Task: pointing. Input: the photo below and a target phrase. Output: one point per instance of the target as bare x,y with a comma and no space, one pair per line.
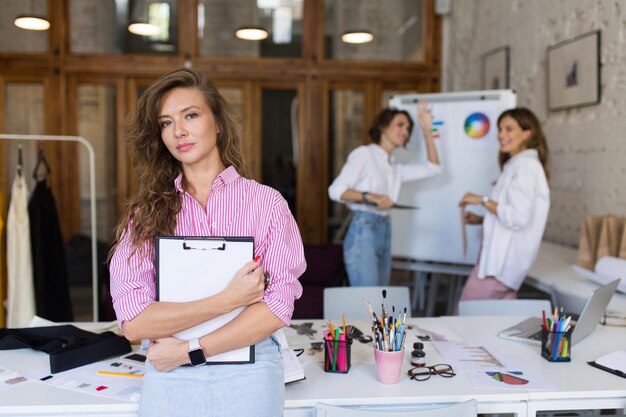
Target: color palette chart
477,125
490,367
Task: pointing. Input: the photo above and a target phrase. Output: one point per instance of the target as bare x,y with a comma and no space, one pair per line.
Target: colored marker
119,374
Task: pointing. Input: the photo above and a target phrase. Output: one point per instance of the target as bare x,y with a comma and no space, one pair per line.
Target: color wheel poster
477,126
490,368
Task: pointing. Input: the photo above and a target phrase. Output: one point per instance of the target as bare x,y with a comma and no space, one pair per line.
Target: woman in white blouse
369,183
517,210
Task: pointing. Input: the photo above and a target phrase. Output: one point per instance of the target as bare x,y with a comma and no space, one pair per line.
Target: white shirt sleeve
413,172
516,213
350,174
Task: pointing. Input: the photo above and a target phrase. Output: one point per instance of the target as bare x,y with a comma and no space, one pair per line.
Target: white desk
552,273
578,384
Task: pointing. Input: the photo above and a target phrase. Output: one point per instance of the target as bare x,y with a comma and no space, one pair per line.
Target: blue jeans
367,249
255,390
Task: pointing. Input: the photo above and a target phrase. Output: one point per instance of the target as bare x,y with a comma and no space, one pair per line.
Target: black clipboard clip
204,244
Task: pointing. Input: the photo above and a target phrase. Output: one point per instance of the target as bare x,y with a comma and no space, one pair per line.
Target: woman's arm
382,201
133,291
255,323
425,121
475,199
162,319
351,173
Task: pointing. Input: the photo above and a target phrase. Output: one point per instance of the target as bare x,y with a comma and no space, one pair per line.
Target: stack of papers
293,368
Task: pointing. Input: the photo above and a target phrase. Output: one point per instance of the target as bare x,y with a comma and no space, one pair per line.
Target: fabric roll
20,291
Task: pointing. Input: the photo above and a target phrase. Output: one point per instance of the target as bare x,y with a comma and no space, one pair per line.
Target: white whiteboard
434,232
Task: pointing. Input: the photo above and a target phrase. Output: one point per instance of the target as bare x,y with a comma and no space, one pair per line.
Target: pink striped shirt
236,207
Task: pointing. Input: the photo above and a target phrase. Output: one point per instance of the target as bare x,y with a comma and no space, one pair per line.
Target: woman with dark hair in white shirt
369,183
517,210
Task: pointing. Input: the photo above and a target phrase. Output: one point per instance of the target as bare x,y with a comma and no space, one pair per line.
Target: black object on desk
68,346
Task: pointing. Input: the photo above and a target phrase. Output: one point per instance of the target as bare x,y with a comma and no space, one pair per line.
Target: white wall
587,145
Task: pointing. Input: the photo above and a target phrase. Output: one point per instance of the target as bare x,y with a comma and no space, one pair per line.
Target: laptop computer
529,330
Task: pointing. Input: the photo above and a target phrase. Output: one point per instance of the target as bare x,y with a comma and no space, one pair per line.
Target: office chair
466,409
349,300
324,269
504,307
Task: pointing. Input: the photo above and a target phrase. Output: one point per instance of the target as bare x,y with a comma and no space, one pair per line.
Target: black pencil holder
556,346
337,355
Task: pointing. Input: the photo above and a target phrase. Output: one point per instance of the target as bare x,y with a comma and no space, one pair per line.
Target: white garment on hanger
21,291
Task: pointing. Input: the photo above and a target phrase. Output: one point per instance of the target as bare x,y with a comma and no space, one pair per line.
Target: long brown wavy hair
152,208
528,121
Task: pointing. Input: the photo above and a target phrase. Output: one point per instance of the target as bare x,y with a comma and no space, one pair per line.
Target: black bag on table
68,346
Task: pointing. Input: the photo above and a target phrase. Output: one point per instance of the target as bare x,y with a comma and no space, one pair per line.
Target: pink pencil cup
388,365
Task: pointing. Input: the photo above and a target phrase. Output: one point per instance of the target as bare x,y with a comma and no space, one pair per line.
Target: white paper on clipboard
190,268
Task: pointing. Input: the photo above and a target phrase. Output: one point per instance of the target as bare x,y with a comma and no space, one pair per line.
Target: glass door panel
346,132
280,142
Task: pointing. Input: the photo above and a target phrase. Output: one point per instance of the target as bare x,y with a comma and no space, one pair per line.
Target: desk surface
553,270
575,381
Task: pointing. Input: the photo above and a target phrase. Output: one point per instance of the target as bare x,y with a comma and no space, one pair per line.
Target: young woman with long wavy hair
186,150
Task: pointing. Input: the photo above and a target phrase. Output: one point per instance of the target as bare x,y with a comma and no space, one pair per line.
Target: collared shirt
370,168
511,238
236,207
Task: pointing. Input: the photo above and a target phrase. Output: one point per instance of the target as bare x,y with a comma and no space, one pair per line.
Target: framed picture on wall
496,67
573,68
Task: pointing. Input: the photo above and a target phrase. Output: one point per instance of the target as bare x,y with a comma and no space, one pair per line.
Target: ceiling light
31,22
143,29
252,33
357,36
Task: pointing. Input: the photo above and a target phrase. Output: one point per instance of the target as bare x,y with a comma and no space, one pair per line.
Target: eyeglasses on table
423,373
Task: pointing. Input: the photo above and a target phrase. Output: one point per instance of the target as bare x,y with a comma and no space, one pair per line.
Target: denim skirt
251,390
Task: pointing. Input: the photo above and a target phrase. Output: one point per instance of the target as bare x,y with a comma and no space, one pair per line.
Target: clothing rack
92,192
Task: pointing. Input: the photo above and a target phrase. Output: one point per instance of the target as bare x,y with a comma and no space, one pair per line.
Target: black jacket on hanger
52,296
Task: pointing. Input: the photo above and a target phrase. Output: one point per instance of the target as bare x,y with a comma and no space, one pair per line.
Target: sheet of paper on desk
293,368
99,378
488,367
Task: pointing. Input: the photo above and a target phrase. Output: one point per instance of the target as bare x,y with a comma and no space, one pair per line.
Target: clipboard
189,268
614,363
607,369
395,206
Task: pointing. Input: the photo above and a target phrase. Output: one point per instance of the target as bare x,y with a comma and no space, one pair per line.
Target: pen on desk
336,349
119,374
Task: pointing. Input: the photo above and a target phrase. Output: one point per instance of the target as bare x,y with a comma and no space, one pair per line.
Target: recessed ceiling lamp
251,33
357,36
143,29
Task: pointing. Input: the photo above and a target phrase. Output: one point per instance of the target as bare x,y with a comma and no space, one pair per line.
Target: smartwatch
485,200
364,197
196,354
